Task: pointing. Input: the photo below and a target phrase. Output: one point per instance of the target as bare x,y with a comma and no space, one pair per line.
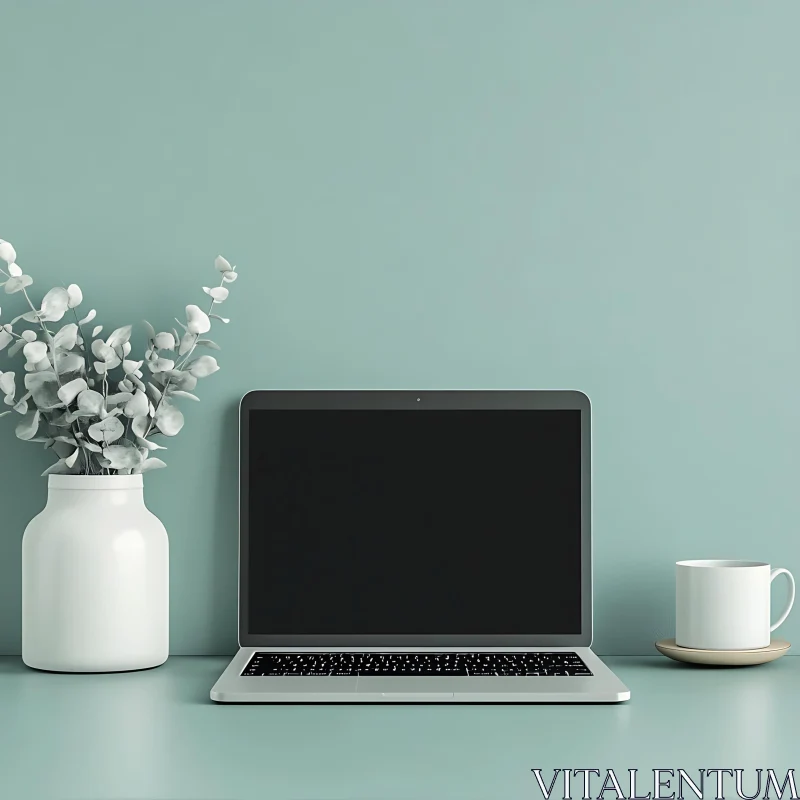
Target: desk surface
156,734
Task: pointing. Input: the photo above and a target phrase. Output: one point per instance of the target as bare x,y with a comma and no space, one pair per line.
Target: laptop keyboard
561,664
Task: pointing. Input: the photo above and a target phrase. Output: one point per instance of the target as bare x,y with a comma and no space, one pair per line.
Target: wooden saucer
723,658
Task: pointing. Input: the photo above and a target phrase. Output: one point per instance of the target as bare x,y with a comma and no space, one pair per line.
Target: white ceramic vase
95,578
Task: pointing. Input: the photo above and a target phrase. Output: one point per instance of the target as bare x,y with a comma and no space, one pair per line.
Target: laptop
415,547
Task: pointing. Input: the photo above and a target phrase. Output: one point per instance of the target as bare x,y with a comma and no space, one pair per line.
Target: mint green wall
602,196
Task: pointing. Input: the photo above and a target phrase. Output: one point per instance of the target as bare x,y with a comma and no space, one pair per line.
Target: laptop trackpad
406,688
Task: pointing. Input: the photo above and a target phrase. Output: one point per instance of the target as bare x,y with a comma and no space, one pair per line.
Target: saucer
723,658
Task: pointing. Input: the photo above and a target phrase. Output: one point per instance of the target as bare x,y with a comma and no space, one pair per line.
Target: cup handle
774,574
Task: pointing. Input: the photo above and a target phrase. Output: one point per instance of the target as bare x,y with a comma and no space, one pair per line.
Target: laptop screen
414,522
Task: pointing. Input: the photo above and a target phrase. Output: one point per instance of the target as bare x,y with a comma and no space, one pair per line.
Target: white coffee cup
725,605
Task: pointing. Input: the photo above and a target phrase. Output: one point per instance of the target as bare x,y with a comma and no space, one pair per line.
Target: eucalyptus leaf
88,318
230,277
69,362
44,387
39,366
107,430
184,395
151,331
136,382
169,419
7,252
28,425
7,383
161,365
97,330
70,460
118,399
69,391
131,366
203,366
140,425
125,386
16,347
54,305
165,341
218,293
221,319
94,448
222,264
5,413
197,320
154,392
137,405
122,457
119,336
74,294
28,316
35,352
5,339
67,337
38,378
59,468
90,401
103,351
29,336
187,343
14,285
21,406
150,464
109,358
146,443
208,343
185,381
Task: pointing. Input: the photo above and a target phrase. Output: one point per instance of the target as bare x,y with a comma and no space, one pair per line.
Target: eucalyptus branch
46,333
179,366
108,428
82,342
75,427
198,335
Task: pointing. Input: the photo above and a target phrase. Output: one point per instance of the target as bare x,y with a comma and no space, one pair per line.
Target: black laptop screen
414,522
